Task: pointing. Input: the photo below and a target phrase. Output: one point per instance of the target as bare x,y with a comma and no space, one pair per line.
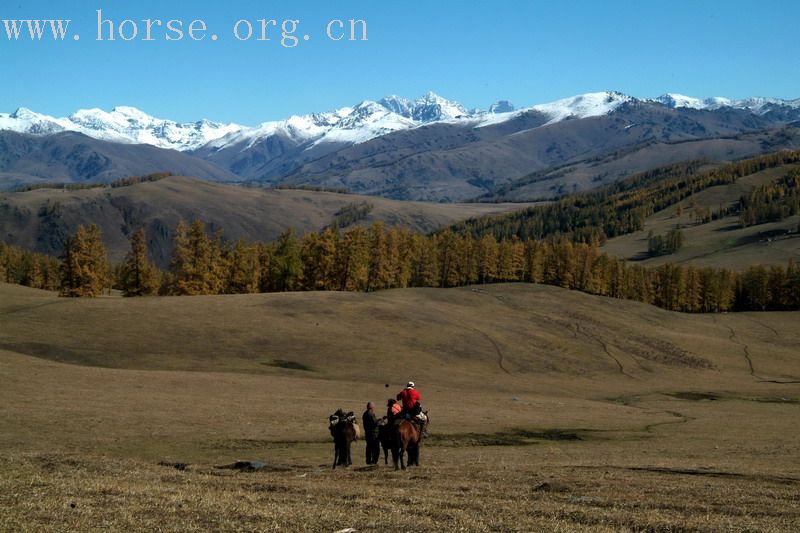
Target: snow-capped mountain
348,125
361,123
757,105
123,125
501,106
429,148
429,108
24,120
583,106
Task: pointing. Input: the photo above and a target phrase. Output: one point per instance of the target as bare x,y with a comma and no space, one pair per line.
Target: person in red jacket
410,398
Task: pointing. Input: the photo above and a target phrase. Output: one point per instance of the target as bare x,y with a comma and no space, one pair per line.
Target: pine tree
198,263
244,269
286,265
425,265
487,258
755,289
138,276
84,264
379,273
692,292
35,275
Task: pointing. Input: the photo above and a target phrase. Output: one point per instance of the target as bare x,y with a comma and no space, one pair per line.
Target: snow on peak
359,123
501,106
757,105
428,108
583,106
122,124
675,100
23,120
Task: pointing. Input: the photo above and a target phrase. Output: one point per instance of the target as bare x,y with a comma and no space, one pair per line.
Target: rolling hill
606,169
76,158
719,243
510,337
42,219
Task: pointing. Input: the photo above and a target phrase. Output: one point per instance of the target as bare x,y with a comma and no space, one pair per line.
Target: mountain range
429,148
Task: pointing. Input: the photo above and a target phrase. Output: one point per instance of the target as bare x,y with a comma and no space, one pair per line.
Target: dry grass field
721,243
550,411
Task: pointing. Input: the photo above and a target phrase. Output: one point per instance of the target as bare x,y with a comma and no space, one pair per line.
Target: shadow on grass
517,437
289,365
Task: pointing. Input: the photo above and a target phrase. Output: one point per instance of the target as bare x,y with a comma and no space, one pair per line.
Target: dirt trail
766,326
602,343
746,350
500,357
577,331
681,419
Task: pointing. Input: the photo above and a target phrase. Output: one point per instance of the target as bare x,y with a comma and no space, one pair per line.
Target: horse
344,430
386,437
408,439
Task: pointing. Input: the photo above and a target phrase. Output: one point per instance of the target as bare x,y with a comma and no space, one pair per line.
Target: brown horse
408,439
344,430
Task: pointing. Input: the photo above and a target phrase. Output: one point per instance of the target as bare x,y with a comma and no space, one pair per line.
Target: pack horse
345,430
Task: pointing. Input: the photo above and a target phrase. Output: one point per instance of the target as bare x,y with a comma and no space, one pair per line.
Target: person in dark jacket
370,420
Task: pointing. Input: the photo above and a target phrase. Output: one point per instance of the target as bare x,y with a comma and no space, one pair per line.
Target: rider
393,409
410,398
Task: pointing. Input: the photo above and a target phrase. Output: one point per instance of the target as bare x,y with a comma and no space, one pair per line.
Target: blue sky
526,51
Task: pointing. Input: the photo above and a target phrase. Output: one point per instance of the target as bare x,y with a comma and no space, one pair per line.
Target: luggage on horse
344,429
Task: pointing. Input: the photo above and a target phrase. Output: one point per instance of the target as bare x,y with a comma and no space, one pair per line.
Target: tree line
772,202
620,208
377,258
121,182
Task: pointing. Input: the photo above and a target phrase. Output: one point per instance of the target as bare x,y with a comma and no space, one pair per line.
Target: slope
609,168
455,161
42,219
719,243
76,158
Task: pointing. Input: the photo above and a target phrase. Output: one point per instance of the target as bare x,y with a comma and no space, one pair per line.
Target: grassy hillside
41,219
599,414
599,171
720,243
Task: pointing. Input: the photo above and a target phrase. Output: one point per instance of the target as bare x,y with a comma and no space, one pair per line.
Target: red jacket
409,398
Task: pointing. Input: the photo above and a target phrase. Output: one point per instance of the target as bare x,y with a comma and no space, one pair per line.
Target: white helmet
410,385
